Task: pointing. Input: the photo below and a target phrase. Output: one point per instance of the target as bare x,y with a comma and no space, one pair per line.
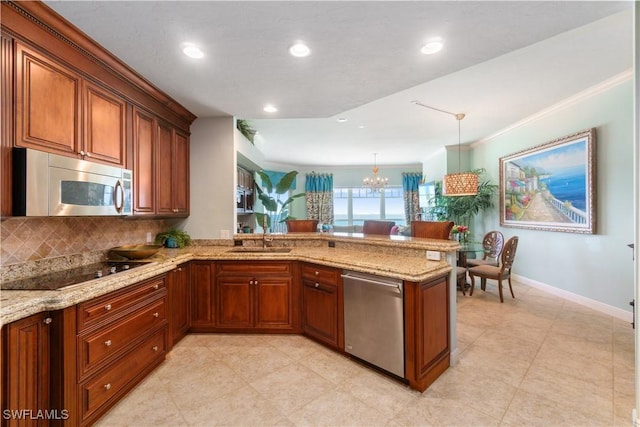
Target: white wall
213,176
599,266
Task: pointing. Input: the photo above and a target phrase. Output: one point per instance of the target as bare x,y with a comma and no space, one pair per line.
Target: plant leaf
266,181
268,202
286,182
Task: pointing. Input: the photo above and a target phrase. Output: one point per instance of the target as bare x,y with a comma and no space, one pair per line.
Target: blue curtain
319,196
410,183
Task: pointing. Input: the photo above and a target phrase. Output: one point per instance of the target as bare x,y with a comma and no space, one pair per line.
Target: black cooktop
72,276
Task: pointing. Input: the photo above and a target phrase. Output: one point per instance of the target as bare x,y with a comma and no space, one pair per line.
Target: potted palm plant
173,238
276,199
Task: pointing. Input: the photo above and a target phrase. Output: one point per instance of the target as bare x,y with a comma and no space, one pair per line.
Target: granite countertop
15,305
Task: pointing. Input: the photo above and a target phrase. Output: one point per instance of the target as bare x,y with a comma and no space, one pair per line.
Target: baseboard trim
616,312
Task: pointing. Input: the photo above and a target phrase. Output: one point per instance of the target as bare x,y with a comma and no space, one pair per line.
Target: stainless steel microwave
46,184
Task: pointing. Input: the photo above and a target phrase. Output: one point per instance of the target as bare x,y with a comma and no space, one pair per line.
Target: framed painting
551,186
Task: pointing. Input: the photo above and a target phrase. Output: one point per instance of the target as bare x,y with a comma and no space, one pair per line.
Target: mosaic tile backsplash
30,239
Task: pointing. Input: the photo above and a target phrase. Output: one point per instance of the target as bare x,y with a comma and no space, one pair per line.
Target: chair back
302,225
377,227
509,253
492,244
431,229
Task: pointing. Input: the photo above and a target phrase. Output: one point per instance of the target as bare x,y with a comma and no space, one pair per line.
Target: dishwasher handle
373,282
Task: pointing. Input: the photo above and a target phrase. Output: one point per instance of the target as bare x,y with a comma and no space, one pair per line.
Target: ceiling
502,62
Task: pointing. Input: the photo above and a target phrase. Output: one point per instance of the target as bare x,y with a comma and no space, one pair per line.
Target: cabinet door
202,293
47,104
144,162
234,302
104,126
7,108
27,359
273,307
165,174
181,172
179,303
320,311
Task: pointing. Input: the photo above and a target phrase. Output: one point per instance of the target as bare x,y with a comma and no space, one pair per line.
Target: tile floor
537,360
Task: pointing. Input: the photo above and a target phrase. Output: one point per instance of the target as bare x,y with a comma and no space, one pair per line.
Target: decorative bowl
136,251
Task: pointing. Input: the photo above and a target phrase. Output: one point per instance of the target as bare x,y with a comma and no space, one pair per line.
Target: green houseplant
173,238
275,199
244,126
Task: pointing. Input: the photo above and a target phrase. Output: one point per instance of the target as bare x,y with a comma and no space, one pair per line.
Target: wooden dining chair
500,273
377,227
302,225
492,244
431,229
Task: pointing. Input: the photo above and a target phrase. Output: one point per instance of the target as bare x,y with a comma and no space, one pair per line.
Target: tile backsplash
30,239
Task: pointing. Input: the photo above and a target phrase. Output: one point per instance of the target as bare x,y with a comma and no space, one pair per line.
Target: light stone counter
391,256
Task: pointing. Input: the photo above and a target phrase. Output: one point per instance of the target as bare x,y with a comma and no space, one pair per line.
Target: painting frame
551,186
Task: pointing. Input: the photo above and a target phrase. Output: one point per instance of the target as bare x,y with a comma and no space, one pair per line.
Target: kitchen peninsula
293,285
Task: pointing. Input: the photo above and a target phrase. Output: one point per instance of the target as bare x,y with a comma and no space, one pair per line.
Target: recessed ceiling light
361,127
192,51
432,46
270,108
341,120
299,50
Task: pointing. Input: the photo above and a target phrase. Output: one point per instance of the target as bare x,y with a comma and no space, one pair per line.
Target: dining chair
377,227
431,229
492,244
500,273
302,225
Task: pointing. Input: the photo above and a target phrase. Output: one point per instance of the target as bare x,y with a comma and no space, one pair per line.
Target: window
351,206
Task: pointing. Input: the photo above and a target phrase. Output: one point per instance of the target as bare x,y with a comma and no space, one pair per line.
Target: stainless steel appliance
374,320
46,184
73,276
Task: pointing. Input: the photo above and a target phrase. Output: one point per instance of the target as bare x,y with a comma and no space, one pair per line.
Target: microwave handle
115,199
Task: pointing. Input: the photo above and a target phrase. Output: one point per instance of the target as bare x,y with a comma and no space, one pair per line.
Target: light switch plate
433,255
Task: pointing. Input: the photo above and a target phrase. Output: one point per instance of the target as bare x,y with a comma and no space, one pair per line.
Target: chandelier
461,183
375,183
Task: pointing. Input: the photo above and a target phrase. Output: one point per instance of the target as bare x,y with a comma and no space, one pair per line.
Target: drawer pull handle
107,386
107,343
47,321
155,286
154,348
156,314
107,307
317,285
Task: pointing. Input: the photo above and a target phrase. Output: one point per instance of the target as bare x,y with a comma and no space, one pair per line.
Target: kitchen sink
258,250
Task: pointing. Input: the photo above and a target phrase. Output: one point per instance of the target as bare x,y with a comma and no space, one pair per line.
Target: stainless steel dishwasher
374,320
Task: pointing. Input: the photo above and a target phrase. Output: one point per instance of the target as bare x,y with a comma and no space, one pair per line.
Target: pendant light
461,183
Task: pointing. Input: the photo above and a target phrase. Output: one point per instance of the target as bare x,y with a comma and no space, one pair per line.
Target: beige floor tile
573,364
430,411
491,363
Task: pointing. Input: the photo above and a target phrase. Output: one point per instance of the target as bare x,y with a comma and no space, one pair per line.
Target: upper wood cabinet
48,103
173,171
49,118
144,161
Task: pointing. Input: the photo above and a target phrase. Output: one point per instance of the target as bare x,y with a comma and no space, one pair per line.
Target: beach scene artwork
550,186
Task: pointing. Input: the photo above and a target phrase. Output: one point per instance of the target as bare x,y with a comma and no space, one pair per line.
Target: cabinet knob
317,285
107,386
155,286
156,314
107,343
179,269
107,307
82,153
154,348
317,272
47,321
88,154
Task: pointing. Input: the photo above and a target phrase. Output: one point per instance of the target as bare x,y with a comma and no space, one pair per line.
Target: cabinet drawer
118,378
96,348
320,273
115,303
250,268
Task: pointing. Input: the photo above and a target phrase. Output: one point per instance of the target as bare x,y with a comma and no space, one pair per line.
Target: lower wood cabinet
321,304
427,333
202,301
26,376
178,291
257,296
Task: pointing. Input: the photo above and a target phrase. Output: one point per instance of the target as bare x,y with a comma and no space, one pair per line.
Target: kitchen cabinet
121,337
6,122
427,333
322,304
256,295
244,191
202,304
26,369
144,163
49,116
173,171
178,296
